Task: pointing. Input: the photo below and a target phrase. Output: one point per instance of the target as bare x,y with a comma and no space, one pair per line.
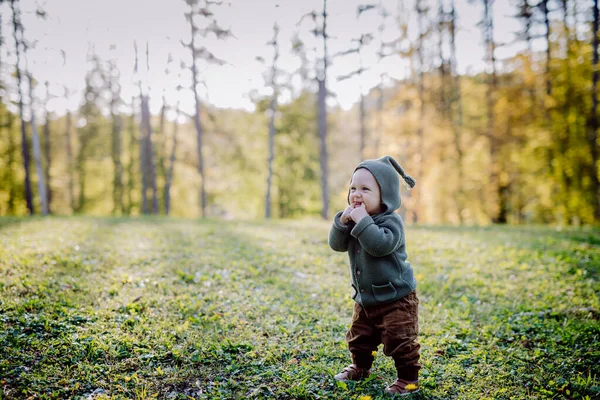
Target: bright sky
75,25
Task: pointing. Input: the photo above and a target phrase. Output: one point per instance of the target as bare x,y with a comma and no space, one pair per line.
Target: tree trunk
379,120
131,162
47,150
198,123
421,92
548,79
147,142
322,120
363,127
499,192
69,153
169,177
273,110
37,152
457,119
143,158
12,149
24,141
593,120
116,151
160,138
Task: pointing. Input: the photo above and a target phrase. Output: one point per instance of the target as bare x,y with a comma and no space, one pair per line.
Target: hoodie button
362,290
357,251
358,272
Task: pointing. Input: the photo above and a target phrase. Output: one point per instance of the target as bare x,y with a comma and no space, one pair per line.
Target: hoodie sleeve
339,234
378,240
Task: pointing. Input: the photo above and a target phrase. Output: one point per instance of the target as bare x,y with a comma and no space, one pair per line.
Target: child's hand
345,218
359,213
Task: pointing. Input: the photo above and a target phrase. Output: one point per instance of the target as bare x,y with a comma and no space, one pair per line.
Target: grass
179,309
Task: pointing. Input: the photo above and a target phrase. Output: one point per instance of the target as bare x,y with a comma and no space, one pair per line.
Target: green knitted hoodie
376,245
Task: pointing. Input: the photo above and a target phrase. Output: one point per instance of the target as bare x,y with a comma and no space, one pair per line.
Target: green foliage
297,168
167,308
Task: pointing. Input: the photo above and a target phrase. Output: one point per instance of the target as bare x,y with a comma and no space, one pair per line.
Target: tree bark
37,152
169,177
593,120
457,120
421,92
47,149
197,121
116,148
148,150
499,192
273,110
24,141
322,120
69,153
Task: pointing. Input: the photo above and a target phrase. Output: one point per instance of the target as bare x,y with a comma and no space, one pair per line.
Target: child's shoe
402,387
352,373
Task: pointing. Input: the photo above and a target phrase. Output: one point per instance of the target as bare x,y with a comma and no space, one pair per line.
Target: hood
386,171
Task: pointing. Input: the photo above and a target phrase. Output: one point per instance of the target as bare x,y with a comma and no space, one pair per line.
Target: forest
516,142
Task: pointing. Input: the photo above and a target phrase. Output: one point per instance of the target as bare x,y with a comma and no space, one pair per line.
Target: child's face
365,190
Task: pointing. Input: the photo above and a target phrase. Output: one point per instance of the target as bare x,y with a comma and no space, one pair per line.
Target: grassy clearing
179,309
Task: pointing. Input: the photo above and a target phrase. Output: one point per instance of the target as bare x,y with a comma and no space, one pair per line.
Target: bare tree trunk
160,138
273,110
24,142
69,152
363,127
198,123
444,101
322,121
545,11
379,120
116,148
144,156
131,162
169,177
593,121
37,151
47,149
12,149
420,136
499,192
148,150
144,159
457,120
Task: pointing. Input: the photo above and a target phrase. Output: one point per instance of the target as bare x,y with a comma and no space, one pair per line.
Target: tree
146,148
272,111
91,114
37,151
592,129
202,53
499,189
169,176
16,23
419,51
114,89
361,41
47,145
457,115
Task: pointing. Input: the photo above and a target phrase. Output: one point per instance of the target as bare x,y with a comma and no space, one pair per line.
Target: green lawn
181,309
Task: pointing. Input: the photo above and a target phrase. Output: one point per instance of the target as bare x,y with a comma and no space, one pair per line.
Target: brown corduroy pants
396,325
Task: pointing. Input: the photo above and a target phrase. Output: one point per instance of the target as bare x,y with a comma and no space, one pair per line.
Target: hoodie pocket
384,293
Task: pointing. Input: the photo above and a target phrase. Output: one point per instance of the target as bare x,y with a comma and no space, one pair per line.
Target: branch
364,7
351,74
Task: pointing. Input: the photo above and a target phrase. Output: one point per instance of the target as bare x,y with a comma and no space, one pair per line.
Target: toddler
386,303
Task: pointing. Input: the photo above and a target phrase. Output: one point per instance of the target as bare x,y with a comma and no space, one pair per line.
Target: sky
110,27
